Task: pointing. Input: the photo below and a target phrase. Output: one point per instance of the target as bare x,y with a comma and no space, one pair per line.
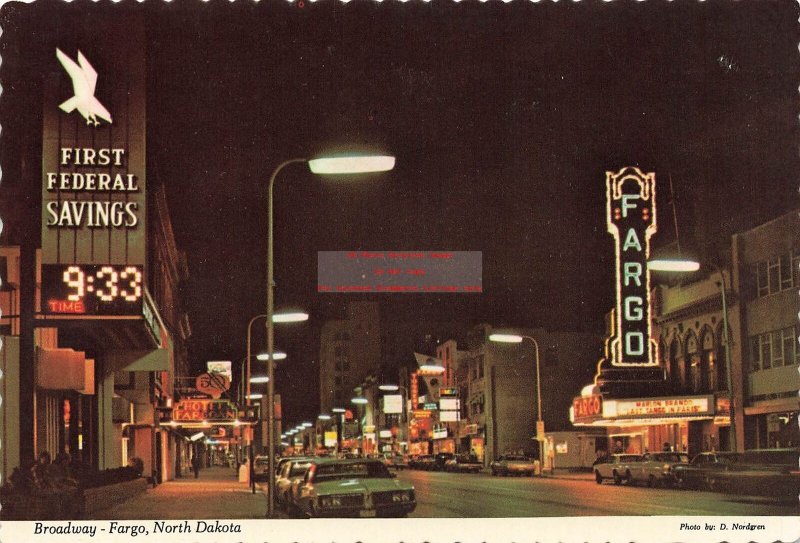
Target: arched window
721,361
676,375
692,364
708,367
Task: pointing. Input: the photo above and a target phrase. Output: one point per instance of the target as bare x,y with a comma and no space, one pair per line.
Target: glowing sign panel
587,407
648,407
631,219
91,289
204,410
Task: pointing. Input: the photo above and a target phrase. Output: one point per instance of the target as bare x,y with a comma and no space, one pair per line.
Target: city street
217,494
481,495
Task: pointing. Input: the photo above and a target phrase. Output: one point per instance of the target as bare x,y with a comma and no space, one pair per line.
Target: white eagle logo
84,79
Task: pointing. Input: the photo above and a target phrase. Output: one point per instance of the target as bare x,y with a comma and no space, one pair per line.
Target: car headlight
403,497
330,502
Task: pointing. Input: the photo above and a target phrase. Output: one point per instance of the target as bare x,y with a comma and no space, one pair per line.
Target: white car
614,467
655,468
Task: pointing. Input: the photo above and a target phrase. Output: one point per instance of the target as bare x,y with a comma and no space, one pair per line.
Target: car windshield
671,457
299,469
351,470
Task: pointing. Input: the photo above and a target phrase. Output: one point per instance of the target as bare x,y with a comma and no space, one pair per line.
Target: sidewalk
216,494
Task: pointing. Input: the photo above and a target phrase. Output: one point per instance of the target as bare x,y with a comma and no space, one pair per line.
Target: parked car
441,459
703,468
353,488
763,472
397,461
464,463
261,468
613,467
513,465
291,473
655,468
423,462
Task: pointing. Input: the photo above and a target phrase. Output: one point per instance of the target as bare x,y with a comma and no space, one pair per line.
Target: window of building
774,349
778,274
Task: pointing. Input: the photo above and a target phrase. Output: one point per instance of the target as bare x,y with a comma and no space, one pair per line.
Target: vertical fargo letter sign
631,219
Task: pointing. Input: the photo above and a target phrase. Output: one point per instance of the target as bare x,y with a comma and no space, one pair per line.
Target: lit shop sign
392,404
93,170
449,404
91,289
631,219
656,407
111,210
587,407
203,410
439,433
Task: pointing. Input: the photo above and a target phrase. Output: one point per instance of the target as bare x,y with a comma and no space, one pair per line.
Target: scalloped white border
659,529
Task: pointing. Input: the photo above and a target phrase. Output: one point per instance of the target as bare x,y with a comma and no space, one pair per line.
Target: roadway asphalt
218,495
481,495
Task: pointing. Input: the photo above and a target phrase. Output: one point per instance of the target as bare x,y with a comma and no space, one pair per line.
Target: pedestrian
667,447
196,465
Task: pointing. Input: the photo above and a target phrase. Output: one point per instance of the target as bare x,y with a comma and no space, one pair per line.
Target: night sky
503,118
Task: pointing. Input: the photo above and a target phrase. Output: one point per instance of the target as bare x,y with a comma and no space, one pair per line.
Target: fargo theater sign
631,219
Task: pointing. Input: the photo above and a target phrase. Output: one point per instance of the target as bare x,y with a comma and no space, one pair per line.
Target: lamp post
333,166
513,338
360,401
339,411
691,266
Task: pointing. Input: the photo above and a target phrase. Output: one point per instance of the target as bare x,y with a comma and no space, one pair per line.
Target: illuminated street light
339,410
389,388
360,401
323,416
255,396
307,425
322,165
351,164
673,265
259,379
290,317
277,356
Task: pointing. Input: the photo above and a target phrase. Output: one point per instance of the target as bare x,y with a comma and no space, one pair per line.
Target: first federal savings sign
93,150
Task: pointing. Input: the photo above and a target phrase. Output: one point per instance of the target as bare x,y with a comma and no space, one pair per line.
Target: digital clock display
88,289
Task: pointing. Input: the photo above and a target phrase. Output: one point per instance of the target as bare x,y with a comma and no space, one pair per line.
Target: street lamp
513,338
275,317
681,265
323,165
339,427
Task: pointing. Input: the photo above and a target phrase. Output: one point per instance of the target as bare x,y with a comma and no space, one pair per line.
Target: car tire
629,478
651,481
598,478
617,478
711,484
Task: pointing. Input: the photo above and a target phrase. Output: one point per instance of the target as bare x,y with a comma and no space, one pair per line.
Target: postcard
392,271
